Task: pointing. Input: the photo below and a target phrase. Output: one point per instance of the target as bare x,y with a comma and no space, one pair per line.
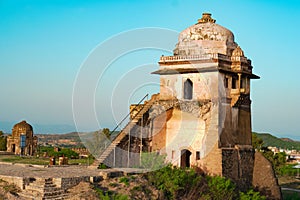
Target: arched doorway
188,89
185,158
13,148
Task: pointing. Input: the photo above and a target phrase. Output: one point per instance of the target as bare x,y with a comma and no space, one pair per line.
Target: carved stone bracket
197,108
244,99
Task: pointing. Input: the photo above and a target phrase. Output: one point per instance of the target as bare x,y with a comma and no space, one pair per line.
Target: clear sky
43,44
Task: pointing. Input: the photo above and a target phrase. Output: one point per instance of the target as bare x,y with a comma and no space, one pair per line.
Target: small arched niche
188,89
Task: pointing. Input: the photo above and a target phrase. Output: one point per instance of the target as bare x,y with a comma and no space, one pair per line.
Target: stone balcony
239,91
193,58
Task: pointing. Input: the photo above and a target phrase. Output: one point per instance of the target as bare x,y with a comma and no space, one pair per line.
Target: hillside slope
270,140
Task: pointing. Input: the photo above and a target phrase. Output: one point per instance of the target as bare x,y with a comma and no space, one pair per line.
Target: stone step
33,188
57,197
54,193
41,188
47,196
29,196
51,190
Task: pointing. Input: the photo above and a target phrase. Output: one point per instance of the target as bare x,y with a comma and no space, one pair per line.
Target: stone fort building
202,115
22,141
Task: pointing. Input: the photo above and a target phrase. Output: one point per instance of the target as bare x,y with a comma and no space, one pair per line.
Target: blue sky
43,43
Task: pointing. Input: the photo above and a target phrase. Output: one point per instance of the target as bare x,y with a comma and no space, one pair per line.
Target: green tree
67,153
3,141
278,160
106,132
257,142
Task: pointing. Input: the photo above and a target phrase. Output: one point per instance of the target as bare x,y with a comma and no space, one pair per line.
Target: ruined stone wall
246,165
18,181
237,164
159,130
264,178
211,164
230,166
67,183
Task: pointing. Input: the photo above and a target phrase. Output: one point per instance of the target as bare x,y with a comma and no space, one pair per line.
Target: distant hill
270,140
40,128
67,139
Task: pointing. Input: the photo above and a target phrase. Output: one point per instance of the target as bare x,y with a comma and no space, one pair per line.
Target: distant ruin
22,141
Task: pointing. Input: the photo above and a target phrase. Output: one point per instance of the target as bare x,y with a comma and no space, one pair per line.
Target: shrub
287,170
175,182
251,195
108,195
124,180
102,166
220,188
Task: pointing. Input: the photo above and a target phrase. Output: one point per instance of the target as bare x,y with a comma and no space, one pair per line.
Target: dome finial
206,17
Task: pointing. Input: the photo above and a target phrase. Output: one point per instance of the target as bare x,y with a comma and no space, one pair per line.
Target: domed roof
205,37
23,124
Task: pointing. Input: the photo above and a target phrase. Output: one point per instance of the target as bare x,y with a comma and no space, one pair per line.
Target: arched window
188,89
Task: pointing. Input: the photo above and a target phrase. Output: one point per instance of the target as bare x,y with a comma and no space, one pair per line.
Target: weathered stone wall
184,131
67,183
205,85
246,165
238,127
244,133
230,166
159,130
211,164
237,164
264,178
18,181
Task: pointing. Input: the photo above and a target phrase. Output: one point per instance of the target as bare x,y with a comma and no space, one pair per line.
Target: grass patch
109,195
42,160
25,160
81,161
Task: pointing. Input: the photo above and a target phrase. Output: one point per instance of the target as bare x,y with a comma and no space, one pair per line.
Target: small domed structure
205,37
22,128
22,141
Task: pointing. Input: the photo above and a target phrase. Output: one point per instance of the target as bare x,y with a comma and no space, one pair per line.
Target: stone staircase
117,140
43,189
